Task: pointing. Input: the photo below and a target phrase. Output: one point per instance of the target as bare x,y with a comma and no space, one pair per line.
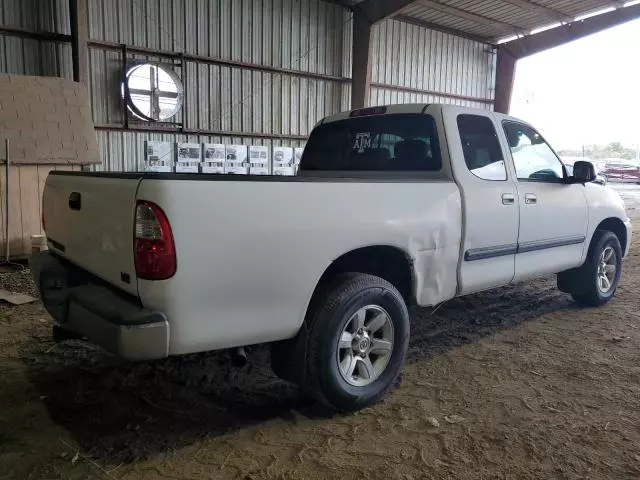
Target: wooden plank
16,298
30,197
15,213
2,210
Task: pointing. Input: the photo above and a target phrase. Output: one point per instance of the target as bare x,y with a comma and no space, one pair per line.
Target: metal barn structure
264,71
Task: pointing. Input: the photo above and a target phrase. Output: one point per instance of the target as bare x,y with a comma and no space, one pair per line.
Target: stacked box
236,160
158,157
259,162
282,161
188,158
214,158
297,155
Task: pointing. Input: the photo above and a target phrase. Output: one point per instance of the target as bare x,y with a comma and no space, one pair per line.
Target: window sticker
363,142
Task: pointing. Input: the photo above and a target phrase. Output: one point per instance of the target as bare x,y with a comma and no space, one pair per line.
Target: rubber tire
339,300
589,295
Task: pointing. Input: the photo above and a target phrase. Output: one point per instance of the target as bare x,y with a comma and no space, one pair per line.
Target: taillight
155,252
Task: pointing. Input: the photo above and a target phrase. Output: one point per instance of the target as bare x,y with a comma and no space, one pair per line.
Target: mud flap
52,280
574,281
289,357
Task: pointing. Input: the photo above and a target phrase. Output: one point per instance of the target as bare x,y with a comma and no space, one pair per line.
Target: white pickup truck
392,205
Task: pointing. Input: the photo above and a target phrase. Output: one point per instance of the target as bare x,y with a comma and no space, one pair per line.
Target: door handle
530,199
508,199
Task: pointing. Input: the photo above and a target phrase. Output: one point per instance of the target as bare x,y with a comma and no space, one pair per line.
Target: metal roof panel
494,19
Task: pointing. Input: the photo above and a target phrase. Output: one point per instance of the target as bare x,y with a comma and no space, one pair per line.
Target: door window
532,156
482,151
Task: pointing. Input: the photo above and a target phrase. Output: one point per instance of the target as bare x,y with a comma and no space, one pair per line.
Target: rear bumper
82,304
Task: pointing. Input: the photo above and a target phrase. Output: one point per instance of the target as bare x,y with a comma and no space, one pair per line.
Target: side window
532,156
482,151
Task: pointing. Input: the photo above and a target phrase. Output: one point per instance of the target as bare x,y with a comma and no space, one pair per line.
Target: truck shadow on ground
122,412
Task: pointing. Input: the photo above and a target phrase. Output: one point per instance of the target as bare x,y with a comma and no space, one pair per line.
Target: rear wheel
596,281
358,338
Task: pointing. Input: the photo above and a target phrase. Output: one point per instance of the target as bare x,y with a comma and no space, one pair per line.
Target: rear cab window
390,142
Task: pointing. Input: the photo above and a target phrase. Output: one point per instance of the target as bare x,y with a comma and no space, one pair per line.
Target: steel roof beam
443,29
470,16
509,53
551,13
531,44
377,10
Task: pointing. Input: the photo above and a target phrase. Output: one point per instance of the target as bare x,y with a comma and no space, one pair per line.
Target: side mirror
583,172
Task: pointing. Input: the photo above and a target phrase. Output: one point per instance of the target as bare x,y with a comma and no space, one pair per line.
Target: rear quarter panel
250,254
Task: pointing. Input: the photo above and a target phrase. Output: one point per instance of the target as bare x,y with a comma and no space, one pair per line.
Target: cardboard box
214,158
236,160
158,156
259,161
297,155
282,161
188,157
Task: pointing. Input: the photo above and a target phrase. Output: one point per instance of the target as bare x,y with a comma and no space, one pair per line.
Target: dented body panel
247,275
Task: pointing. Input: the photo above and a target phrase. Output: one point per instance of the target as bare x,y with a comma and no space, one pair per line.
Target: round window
153,92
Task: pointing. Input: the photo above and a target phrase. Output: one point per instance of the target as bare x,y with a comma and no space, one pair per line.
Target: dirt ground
514,383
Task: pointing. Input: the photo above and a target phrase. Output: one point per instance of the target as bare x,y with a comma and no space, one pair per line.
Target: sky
585,92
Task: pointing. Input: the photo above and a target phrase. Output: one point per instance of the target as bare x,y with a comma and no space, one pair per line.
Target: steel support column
79,40
505,74
360,60
365,15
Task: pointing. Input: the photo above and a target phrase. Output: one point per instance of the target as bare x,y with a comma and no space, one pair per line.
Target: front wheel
358,338
596,281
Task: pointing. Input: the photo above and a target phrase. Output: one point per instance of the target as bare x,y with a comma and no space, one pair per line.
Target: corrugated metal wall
300,35
311,39
23,56
451,69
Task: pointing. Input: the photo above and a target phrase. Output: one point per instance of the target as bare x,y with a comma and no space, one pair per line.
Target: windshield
396,142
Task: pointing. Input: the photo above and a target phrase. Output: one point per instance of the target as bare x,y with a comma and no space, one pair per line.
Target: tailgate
89,220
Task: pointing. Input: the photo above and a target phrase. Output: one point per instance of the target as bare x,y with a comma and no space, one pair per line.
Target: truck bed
243,249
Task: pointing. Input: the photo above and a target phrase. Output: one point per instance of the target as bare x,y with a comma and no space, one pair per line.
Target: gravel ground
18,280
